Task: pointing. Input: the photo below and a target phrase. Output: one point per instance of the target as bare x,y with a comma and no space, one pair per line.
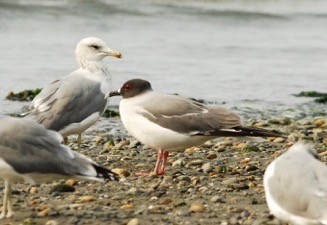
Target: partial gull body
171,123
29,152
74,103
296,187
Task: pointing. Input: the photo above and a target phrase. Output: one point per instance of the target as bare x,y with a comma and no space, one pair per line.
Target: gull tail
241,131
105,174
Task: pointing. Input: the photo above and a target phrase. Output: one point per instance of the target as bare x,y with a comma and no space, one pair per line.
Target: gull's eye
127,87
96,47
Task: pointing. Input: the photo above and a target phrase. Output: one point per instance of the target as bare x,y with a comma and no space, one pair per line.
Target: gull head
131,88
93,50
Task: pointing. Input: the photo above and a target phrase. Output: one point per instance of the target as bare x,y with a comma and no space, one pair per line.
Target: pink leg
158,163
164,161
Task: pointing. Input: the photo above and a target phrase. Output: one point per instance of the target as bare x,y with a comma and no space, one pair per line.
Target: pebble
224,143
216,199
212,156
71,182
178,163
279,140
121,172
33,190
250,167
324,140
44,211
196,162
319,122
245,160
134,221
133,191
87,198
230,181
242,145
197,207
52,222
127,207
62,188
207,168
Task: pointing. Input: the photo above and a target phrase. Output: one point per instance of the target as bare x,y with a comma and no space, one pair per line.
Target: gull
74,103
171,123
29,152
296,187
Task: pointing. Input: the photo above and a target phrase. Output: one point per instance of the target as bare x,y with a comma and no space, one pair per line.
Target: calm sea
247,53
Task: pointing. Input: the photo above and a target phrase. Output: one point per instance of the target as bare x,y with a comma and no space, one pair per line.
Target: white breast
150,133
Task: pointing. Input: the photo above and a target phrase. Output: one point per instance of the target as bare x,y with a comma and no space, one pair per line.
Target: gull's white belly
152,134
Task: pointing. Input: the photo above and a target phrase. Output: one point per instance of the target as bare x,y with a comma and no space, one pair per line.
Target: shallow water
250,54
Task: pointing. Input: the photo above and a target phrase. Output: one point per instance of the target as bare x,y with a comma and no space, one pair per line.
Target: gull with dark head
29,152
74,103
171,123
296,187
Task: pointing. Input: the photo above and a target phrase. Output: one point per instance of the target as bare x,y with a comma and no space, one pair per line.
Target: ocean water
244,53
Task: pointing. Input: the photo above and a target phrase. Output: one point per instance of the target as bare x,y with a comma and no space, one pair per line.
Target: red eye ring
127,87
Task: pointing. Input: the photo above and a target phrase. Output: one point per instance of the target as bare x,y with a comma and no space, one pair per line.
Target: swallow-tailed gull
171,123
74,103
296,187
29,152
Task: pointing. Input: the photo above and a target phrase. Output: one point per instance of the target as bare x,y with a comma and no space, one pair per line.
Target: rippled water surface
246,53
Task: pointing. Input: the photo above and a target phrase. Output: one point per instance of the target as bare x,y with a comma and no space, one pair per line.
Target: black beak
112,93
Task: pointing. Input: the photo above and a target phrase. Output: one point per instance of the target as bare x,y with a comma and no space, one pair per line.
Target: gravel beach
219,182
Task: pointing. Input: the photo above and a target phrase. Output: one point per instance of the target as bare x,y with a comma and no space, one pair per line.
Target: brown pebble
33,190
121,172
127,206
71,182
197,207
87,198
134,221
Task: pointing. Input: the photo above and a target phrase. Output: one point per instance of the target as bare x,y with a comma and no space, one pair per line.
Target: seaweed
23,96
320,97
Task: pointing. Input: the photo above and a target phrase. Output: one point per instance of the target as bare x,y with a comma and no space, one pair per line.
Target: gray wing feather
68,101
29,148
189,117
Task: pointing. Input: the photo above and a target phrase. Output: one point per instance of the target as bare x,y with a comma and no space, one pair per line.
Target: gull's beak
112,93
113,53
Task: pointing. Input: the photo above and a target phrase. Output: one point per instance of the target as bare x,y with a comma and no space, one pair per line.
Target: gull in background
74,103
29,152
171,123
296,187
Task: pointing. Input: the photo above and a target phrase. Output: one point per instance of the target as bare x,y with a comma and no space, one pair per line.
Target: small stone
216,199
242,145
207,168
52,222
33,190
245,160
197,207
191,150
134,221
62,188
250,167
71,182
178,163
44,211
121,172
196,162
107,146
230,181
319,122
132,191
224,143
87,198
279,140
212,156
324,140
127,207
165,201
